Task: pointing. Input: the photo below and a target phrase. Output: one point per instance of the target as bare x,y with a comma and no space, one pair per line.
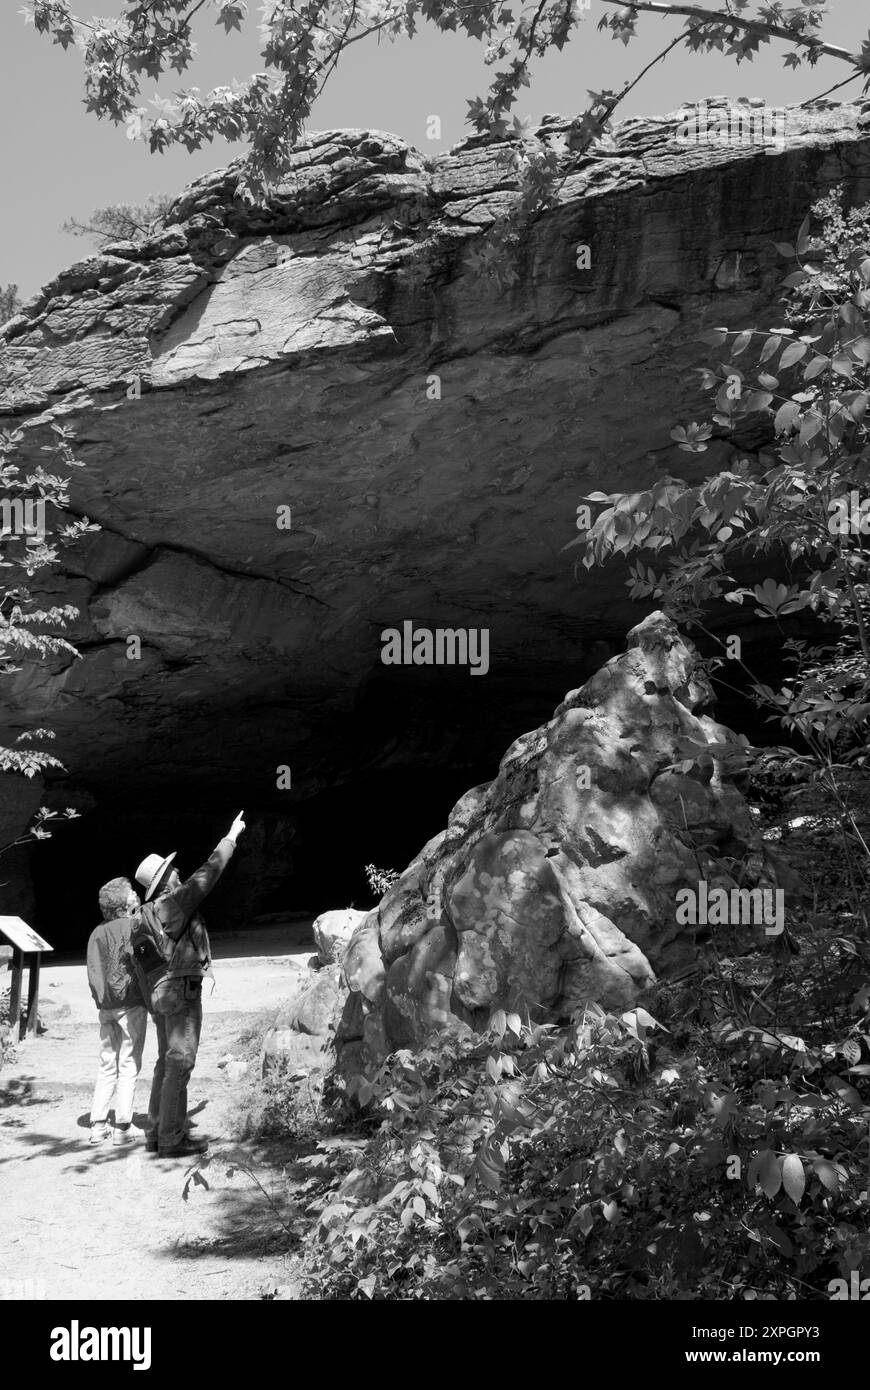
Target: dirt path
106,1223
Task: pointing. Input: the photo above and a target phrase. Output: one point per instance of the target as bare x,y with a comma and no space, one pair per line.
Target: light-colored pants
122,1038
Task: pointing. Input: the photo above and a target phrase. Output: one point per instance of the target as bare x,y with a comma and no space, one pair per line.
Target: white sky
60,162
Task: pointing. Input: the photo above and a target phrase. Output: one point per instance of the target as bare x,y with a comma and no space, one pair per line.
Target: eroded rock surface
337,353
557,883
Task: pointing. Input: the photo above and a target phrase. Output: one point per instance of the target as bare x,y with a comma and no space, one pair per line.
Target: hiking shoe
99,1132
121,1135
188,1148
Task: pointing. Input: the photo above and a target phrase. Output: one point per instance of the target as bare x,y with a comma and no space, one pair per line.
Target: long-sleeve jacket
177,913
111,981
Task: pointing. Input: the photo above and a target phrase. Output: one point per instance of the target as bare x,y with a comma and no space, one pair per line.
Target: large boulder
311,1007
557,883
332,933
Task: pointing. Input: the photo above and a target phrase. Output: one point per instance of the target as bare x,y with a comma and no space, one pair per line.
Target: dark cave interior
307,854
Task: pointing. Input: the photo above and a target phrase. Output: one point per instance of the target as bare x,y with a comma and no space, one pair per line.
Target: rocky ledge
426,433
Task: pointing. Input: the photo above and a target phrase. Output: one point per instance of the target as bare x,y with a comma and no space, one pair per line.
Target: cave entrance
305,860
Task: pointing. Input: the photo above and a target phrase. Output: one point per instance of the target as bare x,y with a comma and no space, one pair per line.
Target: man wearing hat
177,1000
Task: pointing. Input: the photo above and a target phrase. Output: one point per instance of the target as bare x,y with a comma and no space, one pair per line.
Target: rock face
337,354
20,798
557,883
332,932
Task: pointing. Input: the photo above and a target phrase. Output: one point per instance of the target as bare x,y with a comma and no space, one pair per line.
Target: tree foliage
29,630
304,43
121,221
715,1157
803,505
9,303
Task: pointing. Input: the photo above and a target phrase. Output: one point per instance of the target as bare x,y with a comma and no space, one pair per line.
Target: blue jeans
178,1021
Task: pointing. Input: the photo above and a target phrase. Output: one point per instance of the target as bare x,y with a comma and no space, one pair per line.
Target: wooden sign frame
25,943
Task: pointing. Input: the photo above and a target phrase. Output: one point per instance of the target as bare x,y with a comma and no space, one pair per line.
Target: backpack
117,983
151,952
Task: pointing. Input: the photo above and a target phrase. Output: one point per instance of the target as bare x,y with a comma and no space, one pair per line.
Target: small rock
332,933
315,1008
51,1012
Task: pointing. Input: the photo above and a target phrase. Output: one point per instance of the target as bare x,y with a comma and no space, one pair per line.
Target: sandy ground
102,1223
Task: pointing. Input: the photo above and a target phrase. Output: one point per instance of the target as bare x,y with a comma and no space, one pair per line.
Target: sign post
25,942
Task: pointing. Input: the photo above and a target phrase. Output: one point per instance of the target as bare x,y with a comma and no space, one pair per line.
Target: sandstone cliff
243,361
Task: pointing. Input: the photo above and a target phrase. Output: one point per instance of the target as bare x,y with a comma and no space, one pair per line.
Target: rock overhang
337,354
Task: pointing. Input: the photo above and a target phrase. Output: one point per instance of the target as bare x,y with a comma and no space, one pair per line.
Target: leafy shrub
7,1040
607,1159
279,1105
380,880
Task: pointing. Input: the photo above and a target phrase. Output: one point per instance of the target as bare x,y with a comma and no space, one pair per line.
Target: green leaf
817,365
793,353
770,347
861,349
741,343
769,1173
803,237
786,416
844,1092
827,1174
852,1052
793,1177
585,1219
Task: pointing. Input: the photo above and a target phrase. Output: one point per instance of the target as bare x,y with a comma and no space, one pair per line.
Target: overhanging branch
759,26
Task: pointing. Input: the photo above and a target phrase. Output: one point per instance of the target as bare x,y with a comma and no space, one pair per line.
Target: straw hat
151,871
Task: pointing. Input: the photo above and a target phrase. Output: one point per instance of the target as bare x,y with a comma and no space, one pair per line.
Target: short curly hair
114,898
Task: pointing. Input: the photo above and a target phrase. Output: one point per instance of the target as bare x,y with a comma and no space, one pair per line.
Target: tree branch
836,87
762,26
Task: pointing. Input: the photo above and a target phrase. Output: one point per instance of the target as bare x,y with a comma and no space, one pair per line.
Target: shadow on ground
256,1202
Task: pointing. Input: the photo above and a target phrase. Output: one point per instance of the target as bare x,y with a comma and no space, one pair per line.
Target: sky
61,162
